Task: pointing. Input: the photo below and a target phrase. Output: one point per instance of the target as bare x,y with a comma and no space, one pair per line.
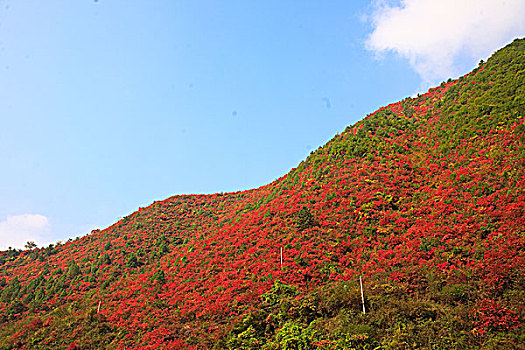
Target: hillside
424,199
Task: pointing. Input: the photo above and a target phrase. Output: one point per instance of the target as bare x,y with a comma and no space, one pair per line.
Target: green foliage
278,293
11,291
73,269
30,245
105,260
132,261
160,276
16,307
246,340
305,219
292,336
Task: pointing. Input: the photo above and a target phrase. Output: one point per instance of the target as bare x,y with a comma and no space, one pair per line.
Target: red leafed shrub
424,199
36,323
490,316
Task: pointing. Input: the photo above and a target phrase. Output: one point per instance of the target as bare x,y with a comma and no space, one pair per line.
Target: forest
423,200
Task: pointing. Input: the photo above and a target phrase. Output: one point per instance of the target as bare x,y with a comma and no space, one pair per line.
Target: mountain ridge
424,199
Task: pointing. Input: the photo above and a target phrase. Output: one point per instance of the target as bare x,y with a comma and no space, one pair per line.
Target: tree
305,219
160,276
73,269
105,260
132,261
30,245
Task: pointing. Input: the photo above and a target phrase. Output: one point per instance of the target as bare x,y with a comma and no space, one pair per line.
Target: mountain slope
424,199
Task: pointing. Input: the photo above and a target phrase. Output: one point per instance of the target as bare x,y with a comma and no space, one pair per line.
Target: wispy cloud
432,34
17,230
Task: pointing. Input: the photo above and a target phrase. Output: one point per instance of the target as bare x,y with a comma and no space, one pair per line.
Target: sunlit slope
424,199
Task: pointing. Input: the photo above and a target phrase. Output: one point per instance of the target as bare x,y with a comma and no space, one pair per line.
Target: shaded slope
424,198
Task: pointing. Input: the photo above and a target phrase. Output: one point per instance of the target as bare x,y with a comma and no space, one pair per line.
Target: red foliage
204,260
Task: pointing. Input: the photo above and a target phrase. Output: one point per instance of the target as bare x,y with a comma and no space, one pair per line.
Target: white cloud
434,34
17,230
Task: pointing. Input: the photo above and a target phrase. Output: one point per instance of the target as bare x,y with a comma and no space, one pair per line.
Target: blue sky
108,105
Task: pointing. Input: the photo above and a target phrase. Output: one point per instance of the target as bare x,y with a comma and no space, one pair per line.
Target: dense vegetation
424,199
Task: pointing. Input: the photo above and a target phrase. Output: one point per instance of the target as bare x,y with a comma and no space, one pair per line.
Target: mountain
423,200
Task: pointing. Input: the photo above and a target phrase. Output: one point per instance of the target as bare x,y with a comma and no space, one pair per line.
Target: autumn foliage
425,199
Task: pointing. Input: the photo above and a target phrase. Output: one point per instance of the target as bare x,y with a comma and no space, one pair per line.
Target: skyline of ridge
107,107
